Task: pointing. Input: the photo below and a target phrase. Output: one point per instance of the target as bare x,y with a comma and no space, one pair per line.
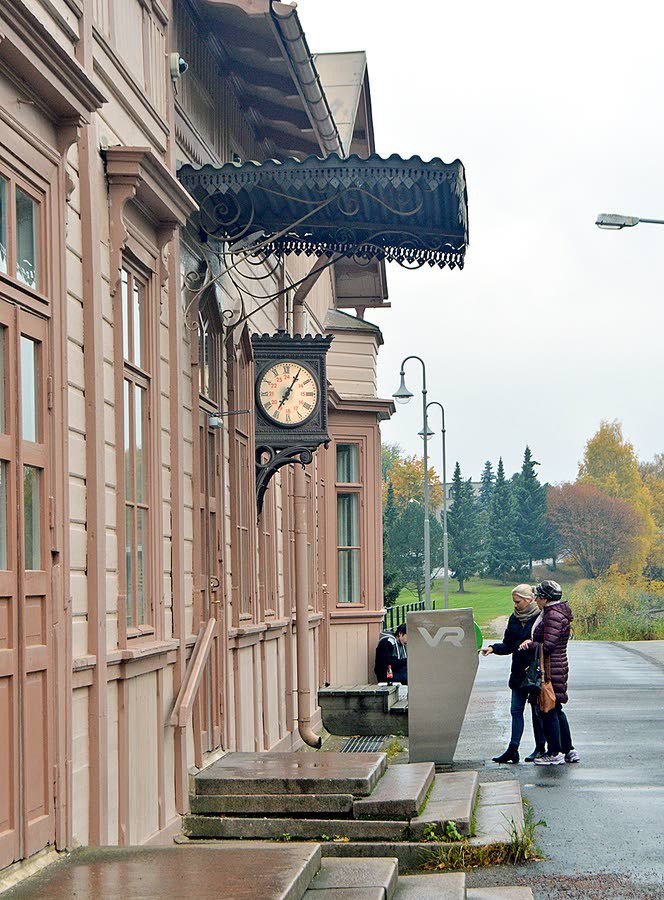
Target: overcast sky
555,111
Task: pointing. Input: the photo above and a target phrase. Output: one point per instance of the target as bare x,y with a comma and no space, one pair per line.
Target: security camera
178,66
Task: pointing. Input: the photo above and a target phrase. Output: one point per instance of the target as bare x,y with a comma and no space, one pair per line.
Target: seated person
391,651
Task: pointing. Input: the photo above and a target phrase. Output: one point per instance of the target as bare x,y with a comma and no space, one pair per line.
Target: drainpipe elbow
309,736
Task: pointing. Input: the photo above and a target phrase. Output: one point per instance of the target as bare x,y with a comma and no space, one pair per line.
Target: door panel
26,703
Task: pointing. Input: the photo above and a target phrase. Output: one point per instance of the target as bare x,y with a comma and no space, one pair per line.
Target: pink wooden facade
127,521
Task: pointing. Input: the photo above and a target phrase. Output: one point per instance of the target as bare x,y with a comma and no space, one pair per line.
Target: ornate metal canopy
410,211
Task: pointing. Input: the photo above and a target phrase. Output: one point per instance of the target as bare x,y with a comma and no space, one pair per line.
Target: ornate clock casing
286,429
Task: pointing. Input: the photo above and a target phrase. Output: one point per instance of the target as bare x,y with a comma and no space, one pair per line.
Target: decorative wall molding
136,173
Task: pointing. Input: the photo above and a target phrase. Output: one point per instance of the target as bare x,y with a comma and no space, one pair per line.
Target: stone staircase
240,870
351,803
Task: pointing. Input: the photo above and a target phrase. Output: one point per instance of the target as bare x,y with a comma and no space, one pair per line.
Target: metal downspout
307,733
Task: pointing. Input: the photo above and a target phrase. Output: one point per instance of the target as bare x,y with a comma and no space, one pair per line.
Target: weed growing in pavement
394,748
521,847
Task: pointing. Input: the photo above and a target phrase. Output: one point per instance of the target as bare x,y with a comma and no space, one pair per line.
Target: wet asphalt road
605,834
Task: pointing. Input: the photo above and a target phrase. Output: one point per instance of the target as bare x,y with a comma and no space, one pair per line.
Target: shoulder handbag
547,696
532,679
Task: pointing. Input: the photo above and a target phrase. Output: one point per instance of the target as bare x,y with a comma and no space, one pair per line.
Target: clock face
287,393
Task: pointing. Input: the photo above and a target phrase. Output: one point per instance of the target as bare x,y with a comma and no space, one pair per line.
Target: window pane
3,381
141,543
129,543
348,463
26,240
139,450
29,382
3,515
348,531
349,576
125,314
3,225
129,481
137,313
32,517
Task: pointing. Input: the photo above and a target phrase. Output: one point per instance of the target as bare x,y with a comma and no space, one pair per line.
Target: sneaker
557,759
536,754
572,757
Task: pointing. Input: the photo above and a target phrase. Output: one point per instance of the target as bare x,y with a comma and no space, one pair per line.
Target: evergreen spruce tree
503,555
392,581
407,545
529,512
464,530
487,482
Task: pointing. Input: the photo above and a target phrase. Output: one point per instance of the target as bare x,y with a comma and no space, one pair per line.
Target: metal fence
395,615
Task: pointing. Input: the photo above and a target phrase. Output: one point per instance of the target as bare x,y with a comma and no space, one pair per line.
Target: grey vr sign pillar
442,662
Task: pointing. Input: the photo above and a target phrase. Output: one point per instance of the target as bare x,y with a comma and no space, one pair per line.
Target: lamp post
614,222
403,395
446,574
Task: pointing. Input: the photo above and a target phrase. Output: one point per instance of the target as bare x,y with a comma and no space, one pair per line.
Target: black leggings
556,729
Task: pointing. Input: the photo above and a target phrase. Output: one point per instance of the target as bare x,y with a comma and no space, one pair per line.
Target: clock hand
289,390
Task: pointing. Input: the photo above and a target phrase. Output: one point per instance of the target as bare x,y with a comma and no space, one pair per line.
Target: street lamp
446,574
403,395
613,222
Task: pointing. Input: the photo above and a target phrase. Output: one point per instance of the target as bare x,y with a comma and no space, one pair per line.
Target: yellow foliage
610,463
407,477
617,607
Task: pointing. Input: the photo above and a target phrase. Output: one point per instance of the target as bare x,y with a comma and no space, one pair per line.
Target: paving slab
357,873
399,794
229,827
494,793
493,818
292,773
250,872
272,804
499,893
448,886
452,799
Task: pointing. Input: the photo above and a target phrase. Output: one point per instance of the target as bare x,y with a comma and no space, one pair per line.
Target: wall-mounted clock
291,401
287,393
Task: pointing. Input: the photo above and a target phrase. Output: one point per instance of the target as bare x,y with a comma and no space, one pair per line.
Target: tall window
348,523
19,233
136,383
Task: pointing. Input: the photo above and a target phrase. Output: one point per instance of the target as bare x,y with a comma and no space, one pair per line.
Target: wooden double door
26,656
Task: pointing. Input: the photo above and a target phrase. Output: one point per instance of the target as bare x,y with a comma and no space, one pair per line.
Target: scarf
531,610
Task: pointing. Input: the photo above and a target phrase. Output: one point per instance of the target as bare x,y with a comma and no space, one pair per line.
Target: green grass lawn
487,597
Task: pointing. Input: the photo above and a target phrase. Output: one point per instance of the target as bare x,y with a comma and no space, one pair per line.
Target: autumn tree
464,530
502,546
652,475
407,477
598,530
407,545
610,463
529,511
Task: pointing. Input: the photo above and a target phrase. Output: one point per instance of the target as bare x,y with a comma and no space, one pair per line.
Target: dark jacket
515,633
553,632
391,652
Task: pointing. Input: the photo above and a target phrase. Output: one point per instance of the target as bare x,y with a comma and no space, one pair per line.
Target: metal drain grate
368,744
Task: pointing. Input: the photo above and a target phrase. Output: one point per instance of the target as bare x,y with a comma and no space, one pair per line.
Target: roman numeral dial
288,393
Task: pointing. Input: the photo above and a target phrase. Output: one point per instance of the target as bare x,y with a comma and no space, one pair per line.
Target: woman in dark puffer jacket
552,631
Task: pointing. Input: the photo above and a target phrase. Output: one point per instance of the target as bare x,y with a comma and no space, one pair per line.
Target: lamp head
430,433
613,222
402,395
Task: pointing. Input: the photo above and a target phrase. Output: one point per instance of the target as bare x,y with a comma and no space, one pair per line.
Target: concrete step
292,773
498,893
251,871
317,805
399,794
448,886
499,804
354,879
452,799
234,827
